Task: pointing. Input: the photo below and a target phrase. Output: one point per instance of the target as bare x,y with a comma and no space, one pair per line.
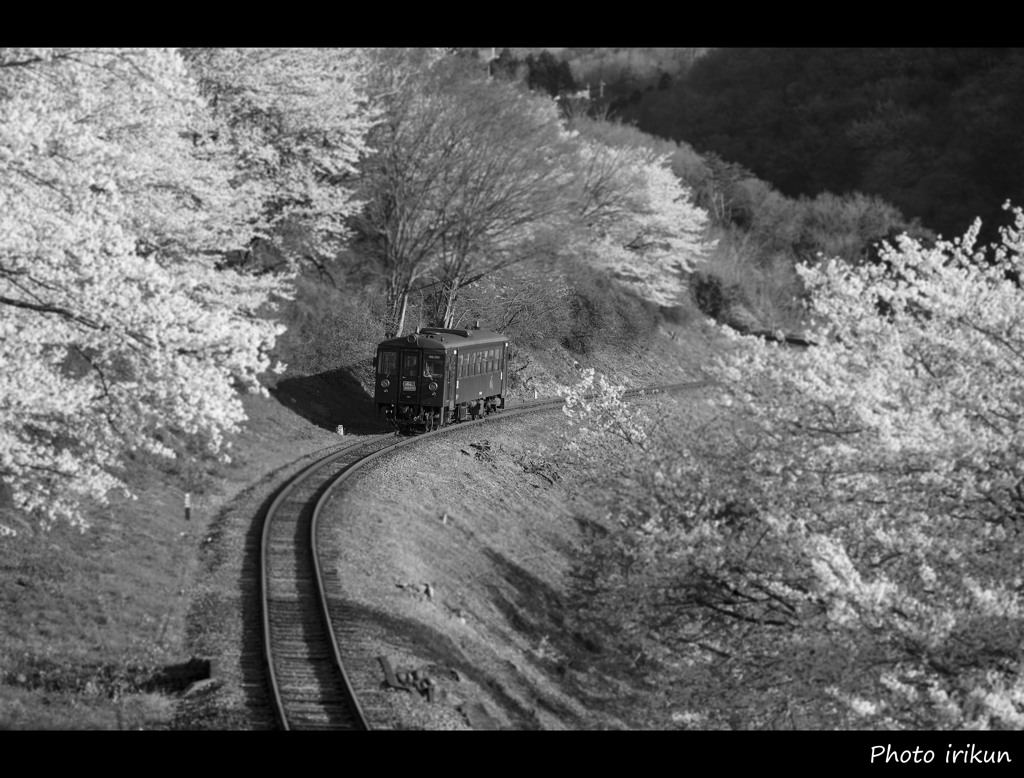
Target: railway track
308,683
309,686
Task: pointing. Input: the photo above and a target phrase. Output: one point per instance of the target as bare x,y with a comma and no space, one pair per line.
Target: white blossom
117,332
641,224
905,421
596,401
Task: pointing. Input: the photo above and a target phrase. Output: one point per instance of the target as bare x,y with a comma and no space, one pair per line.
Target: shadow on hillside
330,399
535,608
442,655
536,611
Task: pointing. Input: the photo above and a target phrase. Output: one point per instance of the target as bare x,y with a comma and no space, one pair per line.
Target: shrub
603,313
328,328
711,296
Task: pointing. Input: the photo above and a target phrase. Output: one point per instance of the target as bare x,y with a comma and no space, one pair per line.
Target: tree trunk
401,315
448,297
397,305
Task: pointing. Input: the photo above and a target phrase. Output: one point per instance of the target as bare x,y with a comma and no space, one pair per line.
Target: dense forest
422,186
931,131
934,131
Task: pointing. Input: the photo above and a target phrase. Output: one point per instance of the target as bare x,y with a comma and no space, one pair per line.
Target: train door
451,372
410,376
503,370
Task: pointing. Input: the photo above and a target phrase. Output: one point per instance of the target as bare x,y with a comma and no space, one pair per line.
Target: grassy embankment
95,624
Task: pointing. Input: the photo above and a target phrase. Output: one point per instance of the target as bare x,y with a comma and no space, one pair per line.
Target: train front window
433,366
387,362
410,365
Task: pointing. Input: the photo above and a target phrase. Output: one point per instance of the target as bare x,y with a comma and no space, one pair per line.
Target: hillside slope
99,629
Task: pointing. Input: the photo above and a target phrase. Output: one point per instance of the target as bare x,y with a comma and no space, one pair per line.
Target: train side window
462,365
476,363
492,360
387,362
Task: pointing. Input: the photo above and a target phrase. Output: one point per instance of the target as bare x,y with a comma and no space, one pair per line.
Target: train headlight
432,386
385,383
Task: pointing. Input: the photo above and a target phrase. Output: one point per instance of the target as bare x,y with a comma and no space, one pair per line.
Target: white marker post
188,506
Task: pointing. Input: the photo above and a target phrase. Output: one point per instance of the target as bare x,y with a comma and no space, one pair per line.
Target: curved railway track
309,685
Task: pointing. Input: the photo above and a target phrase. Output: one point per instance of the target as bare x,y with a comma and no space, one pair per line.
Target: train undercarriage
417,418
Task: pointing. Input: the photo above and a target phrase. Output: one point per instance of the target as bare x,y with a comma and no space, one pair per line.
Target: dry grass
489,523
677,352
89,621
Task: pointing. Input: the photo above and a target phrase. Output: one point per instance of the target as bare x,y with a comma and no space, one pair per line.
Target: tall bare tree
467,178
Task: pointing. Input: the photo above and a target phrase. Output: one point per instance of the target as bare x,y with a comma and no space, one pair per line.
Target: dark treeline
543,71
935,131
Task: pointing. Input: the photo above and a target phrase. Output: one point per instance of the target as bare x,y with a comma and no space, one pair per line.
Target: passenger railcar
436,376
